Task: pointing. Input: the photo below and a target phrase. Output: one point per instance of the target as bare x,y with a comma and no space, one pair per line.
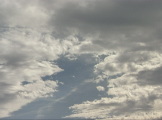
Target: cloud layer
129,34
34,34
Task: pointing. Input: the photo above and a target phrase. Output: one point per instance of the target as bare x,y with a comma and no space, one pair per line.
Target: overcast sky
88,59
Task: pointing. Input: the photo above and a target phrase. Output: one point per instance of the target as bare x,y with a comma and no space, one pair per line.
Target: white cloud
100,88
123,106
132,61
26,56
128,99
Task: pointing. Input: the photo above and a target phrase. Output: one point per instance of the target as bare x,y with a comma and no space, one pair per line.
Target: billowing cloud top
34,34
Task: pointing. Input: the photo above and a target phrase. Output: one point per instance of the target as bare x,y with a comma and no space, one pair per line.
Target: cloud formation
29,50
128,33
26,56
24,60
34,34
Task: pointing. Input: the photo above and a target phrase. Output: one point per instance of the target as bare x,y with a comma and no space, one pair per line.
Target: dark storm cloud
150,77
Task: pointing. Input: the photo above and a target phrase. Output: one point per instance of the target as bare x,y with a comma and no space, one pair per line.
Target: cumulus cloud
29,50
133,82
127,100
26,56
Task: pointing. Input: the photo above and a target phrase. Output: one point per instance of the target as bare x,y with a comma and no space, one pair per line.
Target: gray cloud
6,98
150,77
22,13
130,106
111,24
108,16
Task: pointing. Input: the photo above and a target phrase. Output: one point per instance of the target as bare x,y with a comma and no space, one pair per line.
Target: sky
80,59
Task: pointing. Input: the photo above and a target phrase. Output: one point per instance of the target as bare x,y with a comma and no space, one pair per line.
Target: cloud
26,56
150,77
111,25
22,13
133,88
127,32
100,88
127,100
36,33
107,16
29,50
114,109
